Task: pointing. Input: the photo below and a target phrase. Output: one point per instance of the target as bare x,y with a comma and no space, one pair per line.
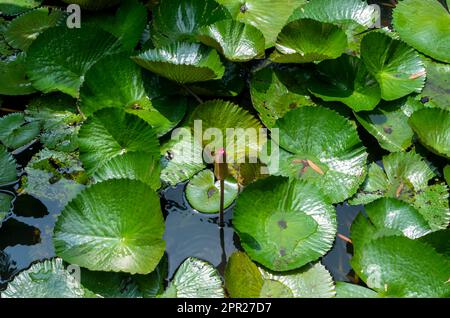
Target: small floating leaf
6,201
294,225
15,132
347,290
13,80
203,192
8,168
120,233
436,86
183,62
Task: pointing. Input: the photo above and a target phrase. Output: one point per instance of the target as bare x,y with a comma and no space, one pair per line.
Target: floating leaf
294,225
321,147
116,81
347,290
269,16
60,57
93,4
23,30
439,240
203,192
110,285
237,41
275,91
432,126
8,168
248,172
135,166
110,132
397,67
183,62
59,119
14,7
436,87
447,174
47,279
175,21
306,40
6,202
120,233
13,80
346,80
425,25
388,123
406,177
401,267
15,132
195,279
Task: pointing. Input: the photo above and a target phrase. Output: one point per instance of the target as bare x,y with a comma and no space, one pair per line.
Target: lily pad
175,21
116,81
47,279
135,166
432,126
195,279
13,80
6,202
275,91
322,147
347,290
347,80
59,120
425,25
447,174
111,132
295,223
247,173
401,267
436,90
8,168
203,192
388,123
439,240
120,233
14,7
237,41
93,4
397,67
60,57
405,177
269,16
23,30
306,40
15,132
183,62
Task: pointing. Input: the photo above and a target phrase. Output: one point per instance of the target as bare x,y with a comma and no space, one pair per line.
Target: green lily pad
183,62
447,174
425,25
405,177
55,177
224,115
269,16
135,166
436,90
275,91
14,7
247,173
182,158
439,240
23,30
397,67
306,40
120,233
93,4
47,279
294,225
203,192
60,57
111,132
388,123
15,132
59,119
346,80
175,21
13,80
347,290
8,168
237,41
322,147
432,126
127,24
110,285
116,81
401,267
195,279
6,202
